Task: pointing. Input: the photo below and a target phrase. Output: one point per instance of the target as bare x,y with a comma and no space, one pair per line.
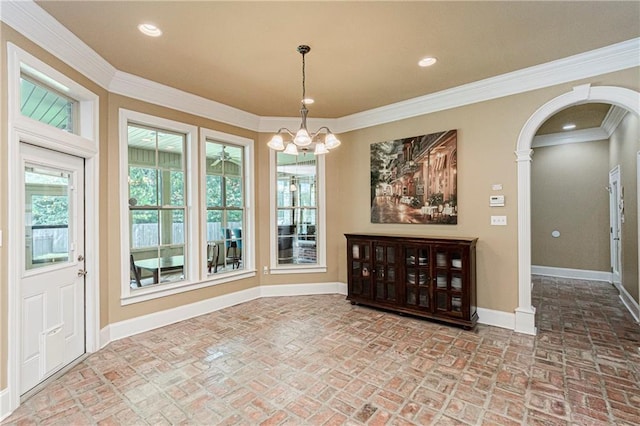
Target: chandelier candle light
302,138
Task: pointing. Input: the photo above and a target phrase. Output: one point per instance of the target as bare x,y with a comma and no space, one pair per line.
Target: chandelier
302,138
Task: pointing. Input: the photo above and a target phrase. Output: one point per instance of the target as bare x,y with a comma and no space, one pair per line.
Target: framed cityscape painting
414,180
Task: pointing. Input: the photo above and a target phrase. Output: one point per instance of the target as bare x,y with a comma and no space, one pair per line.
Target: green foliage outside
50,210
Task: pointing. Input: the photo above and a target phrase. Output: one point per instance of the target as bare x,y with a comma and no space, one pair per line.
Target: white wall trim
622,97
596,62
629,303
5,411
496,318
149,91
302,289
155,320
578,136
148,322
33,22
613,119
580,274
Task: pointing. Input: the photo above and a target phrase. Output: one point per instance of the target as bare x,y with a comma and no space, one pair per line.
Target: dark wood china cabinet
431,277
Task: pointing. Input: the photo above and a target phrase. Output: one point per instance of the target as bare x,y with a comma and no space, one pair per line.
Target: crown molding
613,119
585,135
34,23
273,124
608,59
132,86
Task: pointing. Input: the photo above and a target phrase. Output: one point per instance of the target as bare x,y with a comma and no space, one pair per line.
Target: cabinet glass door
361,269
385,272
417,278
449,280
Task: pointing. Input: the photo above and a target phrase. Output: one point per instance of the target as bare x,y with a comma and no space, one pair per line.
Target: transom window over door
298,213
157,205
46,104
225,205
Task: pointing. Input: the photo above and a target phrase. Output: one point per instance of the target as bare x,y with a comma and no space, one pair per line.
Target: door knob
82,272
80,258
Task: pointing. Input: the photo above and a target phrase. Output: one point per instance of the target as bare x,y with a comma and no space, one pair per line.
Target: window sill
298,269
156,292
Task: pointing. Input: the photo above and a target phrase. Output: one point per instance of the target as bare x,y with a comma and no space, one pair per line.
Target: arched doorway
625,98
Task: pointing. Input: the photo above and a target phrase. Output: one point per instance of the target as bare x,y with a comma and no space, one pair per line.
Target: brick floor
318,360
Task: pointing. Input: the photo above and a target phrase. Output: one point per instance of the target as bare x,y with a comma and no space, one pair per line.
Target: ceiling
363,54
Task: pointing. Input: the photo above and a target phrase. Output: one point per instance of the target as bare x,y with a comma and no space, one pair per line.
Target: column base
526,320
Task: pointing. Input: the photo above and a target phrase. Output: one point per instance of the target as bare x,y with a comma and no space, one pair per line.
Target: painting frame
415,180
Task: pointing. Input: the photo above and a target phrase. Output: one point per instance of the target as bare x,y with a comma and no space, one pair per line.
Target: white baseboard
4,404
144,323
627,300
581,274
302,289
148,322
496,318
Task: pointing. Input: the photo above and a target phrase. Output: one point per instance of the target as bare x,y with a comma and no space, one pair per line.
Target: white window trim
321,235
248,233
85,145
192,251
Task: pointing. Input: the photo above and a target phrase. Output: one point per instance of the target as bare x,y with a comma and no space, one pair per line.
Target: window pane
46,105
214,191
234,218
296,215
225,203
214,225
177,189
144,228
47,215
171,263
172,226
142,187
233,186
170,149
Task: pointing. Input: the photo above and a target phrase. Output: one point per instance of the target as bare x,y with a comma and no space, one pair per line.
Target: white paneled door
52,287
616,210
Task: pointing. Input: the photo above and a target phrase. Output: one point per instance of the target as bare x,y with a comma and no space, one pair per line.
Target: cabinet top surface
410,237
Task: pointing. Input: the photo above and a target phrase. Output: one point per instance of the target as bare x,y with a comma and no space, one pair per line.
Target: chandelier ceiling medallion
302,138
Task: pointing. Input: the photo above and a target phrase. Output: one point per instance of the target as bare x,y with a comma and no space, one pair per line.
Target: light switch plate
499,220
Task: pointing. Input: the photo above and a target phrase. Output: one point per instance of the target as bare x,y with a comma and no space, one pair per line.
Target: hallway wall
568,195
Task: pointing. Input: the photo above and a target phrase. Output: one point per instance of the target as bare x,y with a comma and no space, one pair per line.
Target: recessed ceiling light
569,126
307,101
427,62
150,30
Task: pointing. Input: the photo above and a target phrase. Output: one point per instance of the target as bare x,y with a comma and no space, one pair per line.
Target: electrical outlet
499,220
265,270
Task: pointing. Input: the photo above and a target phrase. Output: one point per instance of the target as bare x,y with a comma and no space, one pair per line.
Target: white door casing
615,219
85,145
52,283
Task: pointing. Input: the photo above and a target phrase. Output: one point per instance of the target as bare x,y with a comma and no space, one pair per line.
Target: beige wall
487,136
568,195
625,143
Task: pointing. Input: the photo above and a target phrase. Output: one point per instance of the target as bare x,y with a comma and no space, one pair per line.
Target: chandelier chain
303,80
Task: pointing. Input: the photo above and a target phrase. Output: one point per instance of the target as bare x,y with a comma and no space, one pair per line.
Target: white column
525,312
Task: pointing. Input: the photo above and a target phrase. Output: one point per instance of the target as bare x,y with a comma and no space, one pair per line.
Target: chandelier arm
284,129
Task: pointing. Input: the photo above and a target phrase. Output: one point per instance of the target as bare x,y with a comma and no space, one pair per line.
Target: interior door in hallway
615,218
52,286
